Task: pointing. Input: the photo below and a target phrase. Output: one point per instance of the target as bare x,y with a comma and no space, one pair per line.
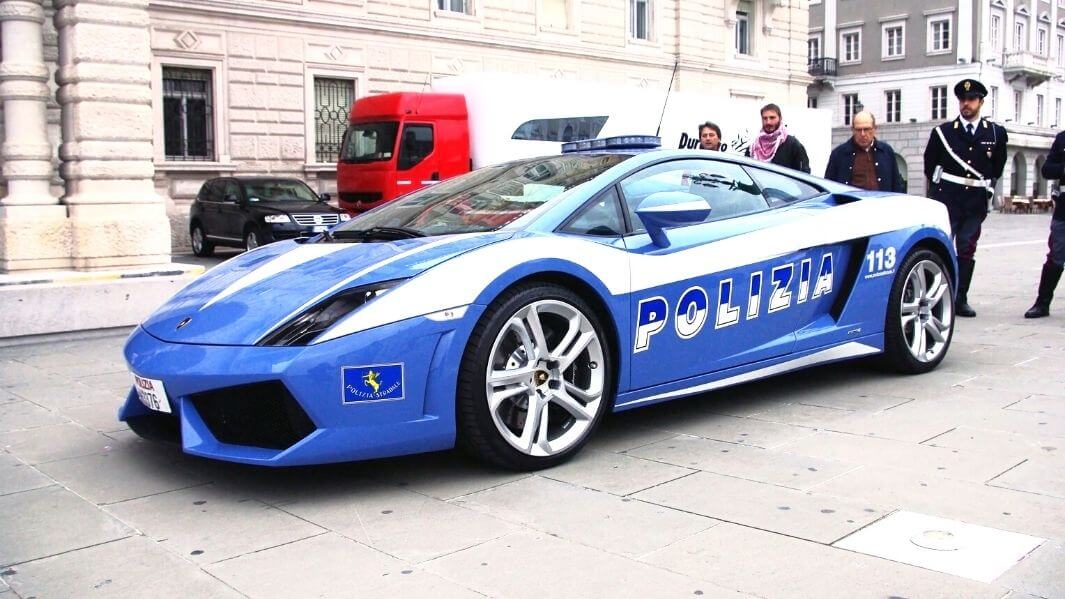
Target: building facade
115,111
901,60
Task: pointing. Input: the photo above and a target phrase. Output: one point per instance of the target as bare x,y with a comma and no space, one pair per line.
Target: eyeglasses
863,129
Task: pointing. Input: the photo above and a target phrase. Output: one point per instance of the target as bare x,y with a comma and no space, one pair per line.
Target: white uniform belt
966,180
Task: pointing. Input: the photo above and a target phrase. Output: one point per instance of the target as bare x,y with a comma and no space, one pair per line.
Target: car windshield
369,142
278,191
488,198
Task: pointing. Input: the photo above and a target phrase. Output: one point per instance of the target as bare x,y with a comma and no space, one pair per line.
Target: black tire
477,431
252,239
200,246
898,355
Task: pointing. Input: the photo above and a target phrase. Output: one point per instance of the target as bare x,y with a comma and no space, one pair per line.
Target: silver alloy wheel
926,311
251,240
545,378
197,240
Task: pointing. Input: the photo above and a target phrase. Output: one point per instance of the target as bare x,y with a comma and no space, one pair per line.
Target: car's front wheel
920,316
536,378
200,245
252,239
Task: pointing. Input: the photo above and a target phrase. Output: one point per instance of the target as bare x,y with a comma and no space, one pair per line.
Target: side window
781,189
231,189
415,144
209,191
598,217
725,186
560,129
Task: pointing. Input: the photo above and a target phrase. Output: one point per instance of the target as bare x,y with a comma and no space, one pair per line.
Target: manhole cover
936,540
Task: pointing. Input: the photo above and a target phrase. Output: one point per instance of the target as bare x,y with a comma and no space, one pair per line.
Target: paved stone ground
736,493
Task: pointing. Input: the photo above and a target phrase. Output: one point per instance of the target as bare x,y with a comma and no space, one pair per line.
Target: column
33,226
104,74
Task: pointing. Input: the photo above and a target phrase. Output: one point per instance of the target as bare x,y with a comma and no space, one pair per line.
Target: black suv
250,211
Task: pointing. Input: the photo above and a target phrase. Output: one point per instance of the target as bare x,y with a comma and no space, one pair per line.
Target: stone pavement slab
617,474
19,415
610,523
49,521
767,564
733,429
56,442
16,476
1041,574
816,517
130,567
1039,476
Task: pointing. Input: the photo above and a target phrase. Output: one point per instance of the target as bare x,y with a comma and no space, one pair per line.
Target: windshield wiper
387,233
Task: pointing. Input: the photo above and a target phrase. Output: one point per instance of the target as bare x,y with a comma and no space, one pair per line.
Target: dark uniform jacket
841,165
984,151
791,154
1054,168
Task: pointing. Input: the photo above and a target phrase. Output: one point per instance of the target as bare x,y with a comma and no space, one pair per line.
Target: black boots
965,276
1047,282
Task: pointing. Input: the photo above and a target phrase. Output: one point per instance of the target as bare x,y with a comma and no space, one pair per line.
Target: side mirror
670,209
231,198
325,197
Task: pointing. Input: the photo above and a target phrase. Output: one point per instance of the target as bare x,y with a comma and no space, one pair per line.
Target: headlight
344,216
302,329
277,218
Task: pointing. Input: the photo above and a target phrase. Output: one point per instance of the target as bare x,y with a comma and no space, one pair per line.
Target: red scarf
766,145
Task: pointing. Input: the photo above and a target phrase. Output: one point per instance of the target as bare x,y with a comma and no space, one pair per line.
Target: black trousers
965,226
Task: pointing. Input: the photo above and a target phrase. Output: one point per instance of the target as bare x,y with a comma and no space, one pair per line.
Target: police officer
1053,168
962,160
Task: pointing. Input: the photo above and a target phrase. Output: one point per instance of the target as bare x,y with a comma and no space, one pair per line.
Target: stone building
901,60
115,111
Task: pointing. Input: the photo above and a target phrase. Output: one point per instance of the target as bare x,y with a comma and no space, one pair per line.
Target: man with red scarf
774,145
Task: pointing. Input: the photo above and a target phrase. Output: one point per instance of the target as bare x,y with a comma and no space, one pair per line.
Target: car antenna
676,64
421,94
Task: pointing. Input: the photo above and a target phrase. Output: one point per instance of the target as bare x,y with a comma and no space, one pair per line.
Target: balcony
821,68
1034,68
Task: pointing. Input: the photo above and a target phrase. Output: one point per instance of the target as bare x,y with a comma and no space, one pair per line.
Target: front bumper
284,406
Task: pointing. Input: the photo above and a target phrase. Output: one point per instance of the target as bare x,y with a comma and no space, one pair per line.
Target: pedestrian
773,144
710,137
863,160
1053,168
962,161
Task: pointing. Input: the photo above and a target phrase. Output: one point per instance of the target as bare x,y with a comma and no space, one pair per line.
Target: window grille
188,114
332,100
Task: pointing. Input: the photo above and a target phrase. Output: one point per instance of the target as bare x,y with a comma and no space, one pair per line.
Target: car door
823,273
209,200
711,300
233,209
418,164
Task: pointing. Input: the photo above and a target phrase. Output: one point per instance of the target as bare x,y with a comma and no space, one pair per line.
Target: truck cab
400,142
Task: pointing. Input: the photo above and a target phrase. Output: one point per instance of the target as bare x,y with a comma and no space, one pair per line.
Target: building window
188,117
811,101
1018,100
939,102
996,33
893,103
1057,111
332,99
851,107
893,36
1019,29
1039,110
851,42
640,19
460,6
1061,50
994,102
743,27
939,35
554,14
813,48
1043,39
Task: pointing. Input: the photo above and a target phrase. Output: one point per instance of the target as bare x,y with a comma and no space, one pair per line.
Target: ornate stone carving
187,40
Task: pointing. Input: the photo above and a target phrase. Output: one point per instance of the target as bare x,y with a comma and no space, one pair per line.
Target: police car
509,309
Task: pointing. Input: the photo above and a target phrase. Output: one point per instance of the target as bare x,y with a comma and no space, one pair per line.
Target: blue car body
725,302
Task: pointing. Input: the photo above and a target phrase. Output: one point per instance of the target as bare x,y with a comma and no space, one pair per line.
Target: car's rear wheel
200,245
536,378
252,239
920,316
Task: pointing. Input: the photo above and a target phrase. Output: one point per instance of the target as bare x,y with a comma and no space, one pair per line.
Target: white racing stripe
290,259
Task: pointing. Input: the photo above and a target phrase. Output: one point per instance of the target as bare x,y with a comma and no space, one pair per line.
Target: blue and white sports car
509,309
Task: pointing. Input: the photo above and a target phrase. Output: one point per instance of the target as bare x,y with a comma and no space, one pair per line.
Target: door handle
435,176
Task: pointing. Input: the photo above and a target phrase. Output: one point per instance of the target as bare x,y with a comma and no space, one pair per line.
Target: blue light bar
618,142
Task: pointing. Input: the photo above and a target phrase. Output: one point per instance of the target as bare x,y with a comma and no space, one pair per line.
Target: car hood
291,207
239,301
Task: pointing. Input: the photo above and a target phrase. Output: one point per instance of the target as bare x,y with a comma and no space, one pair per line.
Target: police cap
969,88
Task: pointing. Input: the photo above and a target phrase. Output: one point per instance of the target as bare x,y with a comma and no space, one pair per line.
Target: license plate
151,394
320,228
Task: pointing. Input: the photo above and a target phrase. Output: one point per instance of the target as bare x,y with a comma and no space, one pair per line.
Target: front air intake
257,415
